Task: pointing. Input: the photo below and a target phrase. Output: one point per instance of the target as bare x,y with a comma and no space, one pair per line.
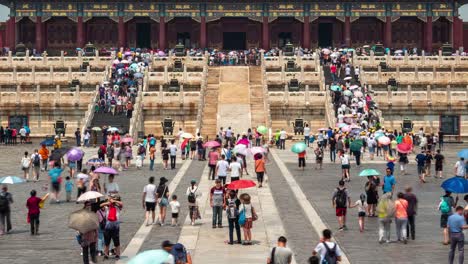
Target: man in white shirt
323,247
22,133
173,154
283,136
228,135
179,135
236,169
149,200
460,170
307,134
222,167
280,254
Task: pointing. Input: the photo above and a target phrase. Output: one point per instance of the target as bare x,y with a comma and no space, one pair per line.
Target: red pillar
80,39
428,35
122,33
265,34
388,32
347,31
39,37
306,33
457,33
203,32
162,33
12,33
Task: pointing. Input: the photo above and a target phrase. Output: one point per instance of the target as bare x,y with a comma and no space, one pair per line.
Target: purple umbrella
75,154
106,170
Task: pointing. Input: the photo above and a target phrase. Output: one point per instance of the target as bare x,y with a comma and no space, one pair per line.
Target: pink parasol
384,140
346,128
106,170
127,140
211,144
323,129
404,148
243,141
358,94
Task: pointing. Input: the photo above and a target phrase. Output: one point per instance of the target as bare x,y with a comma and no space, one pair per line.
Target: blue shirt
68,186
55,174
455,223
421,159
389,181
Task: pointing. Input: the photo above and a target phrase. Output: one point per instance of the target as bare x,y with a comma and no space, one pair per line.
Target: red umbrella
404,148
241,184
182,146
211,144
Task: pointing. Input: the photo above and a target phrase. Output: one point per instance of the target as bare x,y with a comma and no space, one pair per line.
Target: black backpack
232,211
192,198
340,198
36,160
4,204
330,256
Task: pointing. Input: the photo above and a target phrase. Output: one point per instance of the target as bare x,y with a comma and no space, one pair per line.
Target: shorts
150,206
56,186
301,162
112,234
175,215
361,214
164,202
444,220
341,211
248,223
234,179
25,169
345,166
438,167
420,169
371,149
260,176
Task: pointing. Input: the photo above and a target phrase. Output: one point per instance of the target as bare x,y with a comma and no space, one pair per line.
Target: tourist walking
236,169
372,194
361,205
460,168
232,213
78,137
25,165
439,163
345,166
389,182
456,224
319,157
213,157
260,169
283,135
152,156
192,195
88,242
175,209
36,164
217,202
222,167
149,201
33,205
445,208
162,193
112,228
280,254
44,152
6,199
329,251
110,151
421,163
307,135
247,210
385,212
403,161
411,210
401,217
341,201
301,157
173,154
56,180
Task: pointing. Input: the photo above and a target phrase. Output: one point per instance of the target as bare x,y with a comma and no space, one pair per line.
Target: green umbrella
335,88
150,257
262,130
369,172
348,93
378,135
356,145
299,147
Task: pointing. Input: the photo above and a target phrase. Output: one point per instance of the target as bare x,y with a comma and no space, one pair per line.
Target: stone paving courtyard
56,242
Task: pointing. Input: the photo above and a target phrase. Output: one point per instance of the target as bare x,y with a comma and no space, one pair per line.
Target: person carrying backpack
341,201
385,212
36,164
330,252
5,200
192,194
178,253
445,208
232,213
112,227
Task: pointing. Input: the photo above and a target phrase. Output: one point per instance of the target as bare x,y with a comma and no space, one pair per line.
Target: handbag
242,217
254,215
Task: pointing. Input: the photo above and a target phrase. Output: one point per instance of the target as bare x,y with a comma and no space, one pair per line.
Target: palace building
65,25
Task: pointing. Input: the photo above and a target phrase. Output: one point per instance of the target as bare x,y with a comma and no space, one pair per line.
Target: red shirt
333,69
103,149
302,154
33,205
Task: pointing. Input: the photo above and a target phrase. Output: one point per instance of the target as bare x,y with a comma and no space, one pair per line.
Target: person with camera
112,227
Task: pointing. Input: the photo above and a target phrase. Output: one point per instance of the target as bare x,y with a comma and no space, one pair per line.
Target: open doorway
325,35
143,35
284,38
234,40
184,39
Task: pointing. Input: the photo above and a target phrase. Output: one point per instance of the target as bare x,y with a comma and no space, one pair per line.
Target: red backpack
112,214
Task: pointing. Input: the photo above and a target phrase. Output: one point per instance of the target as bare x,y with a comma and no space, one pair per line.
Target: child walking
165,157
361,204
68,188
175,207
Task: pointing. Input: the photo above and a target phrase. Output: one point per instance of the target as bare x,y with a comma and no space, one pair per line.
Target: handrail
137,115
202,100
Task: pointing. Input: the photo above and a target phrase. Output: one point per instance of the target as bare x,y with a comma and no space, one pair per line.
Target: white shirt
345,159
306,131
112,187
460,165
173,150
83,177
235,168
222,166
175,206
283,134
150,193
320,248
22,132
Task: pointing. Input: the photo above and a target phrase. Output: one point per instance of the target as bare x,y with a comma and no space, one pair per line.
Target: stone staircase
257,97
107,119
210,108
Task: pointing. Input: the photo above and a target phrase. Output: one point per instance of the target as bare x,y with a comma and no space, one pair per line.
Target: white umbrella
358,94
348,78
90,195
326,51
112,129
240,149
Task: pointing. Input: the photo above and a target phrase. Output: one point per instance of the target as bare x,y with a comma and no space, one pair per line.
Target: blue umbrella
455,185
463,154
11,180
157,256
48,142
